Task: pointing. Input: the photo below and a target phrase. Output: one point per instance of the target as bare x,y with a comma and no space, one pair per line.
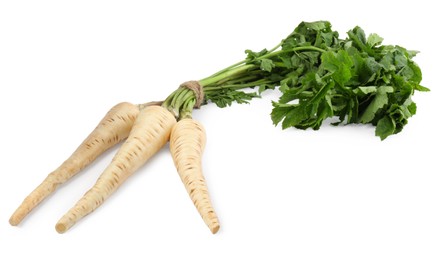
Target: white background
336,193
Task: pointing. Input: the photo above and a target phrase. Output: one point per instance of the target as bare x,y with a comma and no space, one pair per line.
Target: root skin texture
112,129
149,134
187,143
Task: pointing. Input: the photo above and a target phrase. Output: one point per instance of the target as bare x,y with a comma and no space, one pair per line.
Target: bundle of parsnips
355,80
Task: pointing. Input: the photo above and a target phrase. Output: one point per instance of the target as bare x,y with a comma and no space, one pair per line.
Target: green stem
228,68
243,74
186,110
242,62
169,99
242,78
229,73
276,47
302,48
237,86
240,67
177,102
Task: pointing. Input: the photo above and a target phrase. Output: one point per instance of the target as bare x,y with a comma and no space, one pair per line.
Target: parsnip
187,143
113,128
149,134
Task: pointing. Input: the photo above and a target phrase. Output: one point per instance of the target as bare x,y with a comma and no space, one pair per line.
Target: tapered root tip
61,228
16,218
214,228
14,221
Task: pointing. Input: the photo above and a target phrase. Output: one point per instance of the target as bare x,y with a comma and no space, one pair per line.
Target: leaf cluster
352,80
225,97
356,80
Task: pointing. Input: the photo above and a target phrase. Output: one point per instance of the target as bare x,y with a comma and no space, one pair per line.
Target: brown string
197,89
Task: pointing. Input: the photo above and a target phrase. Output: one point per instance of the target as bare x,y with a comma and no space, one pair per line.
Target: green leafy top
356,80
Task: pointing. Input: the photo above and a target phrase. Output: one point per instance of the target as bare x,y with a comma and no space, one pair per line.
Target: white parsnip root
113,128
149,134
187,143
